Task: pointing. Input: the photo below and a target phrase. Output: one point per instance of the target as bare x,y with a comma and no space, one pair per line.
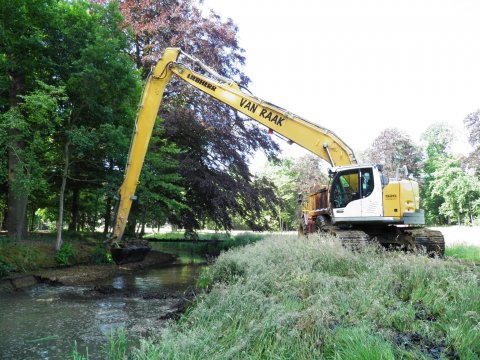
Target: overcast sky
359,66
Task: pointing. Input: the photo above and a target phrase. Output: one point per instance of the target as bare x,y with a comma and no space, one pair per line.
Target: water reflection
44,321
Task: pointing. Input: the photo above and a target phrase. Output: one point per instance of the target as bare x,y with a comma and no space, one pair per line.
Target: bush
5,267
101,255
65,254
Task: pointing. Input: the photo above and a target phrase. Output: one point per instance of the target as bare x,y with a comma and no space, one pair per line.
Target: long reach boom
320,141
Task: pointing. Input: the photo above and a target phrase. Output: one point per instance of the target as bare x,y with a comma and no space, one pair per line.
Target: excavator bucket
131,251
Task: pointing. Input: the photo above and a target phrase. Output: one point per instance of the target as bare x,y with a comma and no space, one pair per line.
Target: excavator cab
356,194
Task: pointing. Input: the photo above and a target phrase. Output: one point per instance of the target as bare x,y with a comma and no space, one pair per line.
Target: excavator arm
318,140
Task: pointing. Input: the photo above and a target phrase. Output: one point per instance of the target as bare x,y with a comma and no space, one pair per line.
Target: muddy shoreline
81,274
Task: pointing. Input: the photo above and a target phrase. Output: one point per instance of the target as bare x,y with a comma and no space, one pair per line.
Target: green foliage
160,191
22,257
286,180
291,178
76,355
36,118
436,141
101,255
117,346
287,298
65,254
464,252
5,267
460,190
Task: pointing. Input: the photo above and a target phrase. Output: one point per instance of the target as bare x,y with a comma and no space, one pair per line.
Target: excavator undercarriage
419,239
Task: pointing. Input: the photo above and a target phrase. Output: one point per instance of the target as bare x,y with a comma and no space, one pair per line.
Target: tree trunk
108,214
75,210
4,217
17,202
31,226
62,196
95,215
142,231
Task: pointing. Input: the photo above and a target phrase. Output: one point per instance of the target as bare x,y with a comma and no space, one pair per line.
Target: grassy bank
37,251
302,299
211,244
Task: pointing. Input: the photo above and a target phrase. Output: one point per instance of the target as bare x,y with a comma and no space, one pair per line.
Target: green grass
464,252
202,236
38,251
201,247
180,235
289,298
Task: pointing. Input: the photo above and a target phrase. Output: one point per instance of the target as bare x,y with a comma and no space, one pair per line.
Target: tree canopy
70,82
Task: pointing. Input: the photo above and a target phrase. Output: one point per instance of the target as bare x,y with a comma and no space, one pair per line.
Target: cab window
367,182
345,188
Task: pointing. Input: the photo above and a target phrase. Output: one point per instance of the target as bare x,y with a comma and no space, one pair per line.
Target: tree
215,141
311,171
395,149
26,36
472,123
38,117
90,152
79,48
436,140
282,174
215,172
292,178
460,190
160,192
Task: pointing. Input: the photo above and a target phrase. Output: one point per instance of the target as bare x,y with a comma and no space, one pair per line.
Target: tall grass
289,298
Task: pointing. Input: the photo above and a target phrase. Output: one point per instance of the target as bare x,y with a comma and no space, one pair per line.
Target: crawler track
422,239
419,239
352,239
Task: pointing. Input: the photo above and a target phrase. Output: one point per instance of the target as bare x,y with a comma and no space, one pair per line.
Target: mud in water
44,321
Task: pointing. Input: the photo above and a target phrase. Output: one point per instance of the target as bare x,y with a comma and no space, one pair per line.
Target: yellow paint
151,98
400,197
304,133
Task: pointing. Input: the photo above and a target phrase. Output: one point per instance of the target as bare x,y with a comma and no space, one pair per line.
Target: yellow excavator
358,206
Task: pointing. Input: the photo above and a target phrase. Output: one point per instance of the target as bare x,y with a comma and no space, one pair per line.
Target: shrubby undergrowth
293,298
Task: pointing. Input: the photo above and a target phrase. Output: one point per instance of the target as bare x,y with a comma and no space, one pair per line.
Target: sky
357,67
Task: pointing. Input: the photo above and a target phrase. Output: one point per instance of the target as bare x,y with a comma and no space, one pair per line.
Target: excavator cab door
345,194
356,194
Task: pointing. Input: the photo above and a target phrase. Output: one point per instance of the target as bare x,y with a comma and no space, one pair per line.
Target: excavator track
430,242
424,240
351,239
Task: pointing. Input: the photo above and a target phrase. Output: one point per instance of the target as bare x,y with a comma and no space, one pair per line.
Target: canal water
45,321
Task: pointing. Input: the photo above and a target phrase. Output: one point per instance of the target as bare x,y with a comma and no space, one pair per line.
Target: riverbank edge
80,274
